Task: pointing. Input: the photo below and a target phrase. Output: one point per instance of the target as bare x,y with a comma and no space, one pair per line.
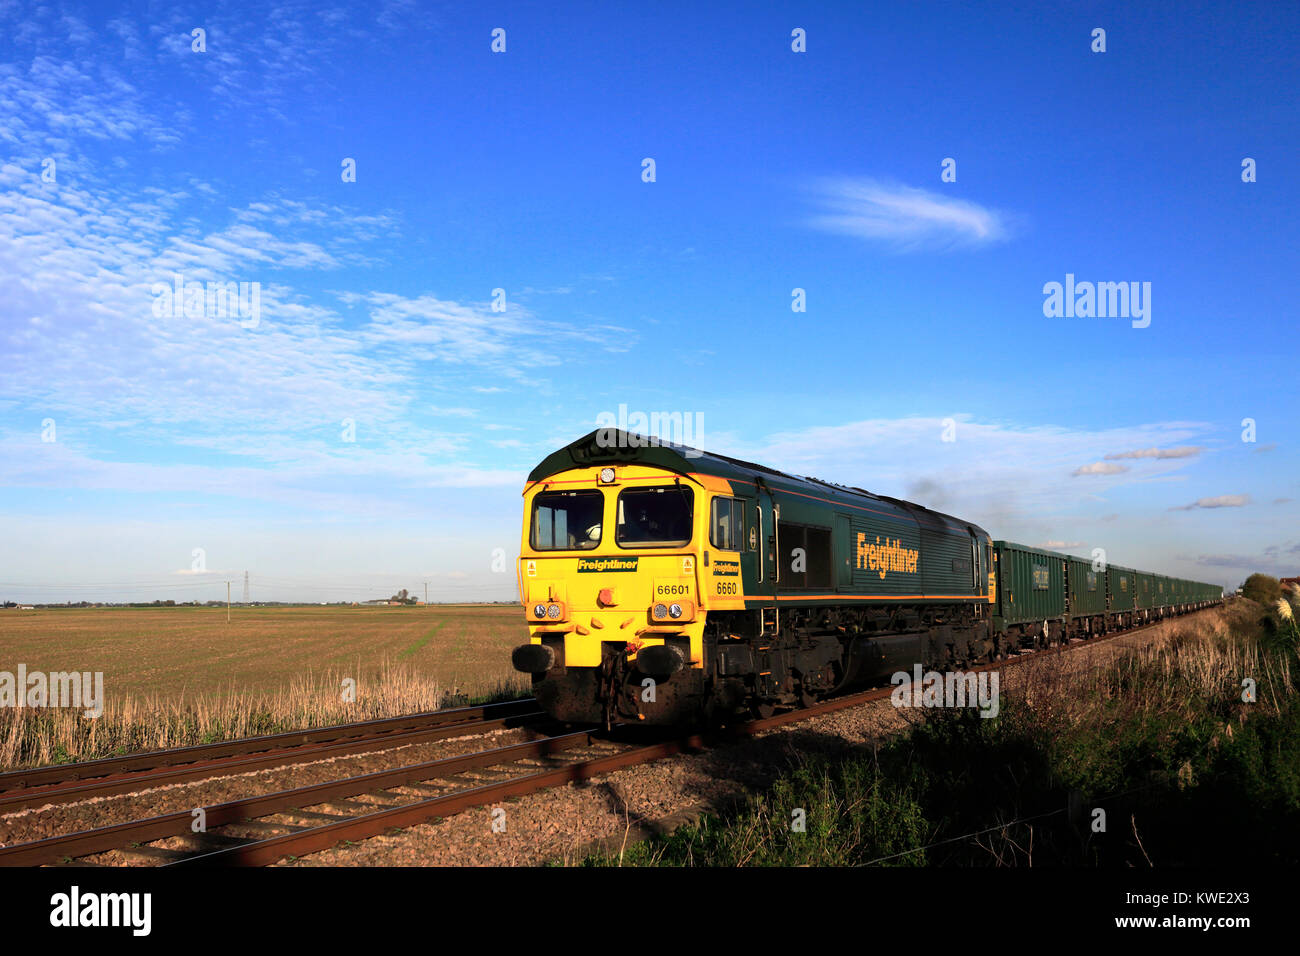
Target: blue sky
523,171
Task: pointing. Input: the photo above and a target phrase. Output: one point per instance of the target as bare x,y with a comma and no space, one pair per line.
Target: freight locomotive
665,585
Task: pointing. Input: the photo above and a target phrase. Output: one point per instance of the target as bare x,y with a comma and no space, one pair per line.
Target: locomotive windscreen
567,520
655,517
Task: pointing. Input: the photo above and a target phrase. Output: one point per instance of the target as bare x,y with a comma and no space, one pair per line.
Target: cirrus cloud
1186,451
1099,468
910,218
1220,501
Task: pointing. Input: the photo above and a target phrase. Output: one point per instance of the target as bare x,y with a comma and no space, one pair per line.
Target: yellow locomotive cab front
609,575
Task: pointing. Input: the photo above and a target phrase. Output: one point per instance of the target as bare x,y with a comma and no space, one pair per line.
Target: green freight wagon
1121,596
1030,599
1146,592
1085,598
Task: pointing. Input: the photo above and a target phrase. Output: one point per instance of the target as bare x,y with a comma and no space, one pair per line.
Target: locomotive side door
769,537
774,542
769,555
843,551
750,546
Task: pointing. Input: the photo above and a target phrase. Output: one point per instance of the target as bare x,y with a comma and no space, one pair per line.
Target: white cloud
79,343
1220,501
1014,480
1099,468
1187,451
908,217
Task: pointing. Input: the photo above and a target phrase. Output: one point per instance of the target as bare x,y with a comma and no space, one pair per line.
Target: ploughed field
179,652
179,675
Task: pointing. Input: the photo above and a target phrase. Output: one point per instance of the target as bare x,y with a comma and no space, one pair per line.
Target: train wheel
762,709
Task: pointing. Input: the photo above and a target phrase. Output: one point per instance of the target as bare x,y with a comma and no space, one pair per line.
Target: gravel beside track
38,822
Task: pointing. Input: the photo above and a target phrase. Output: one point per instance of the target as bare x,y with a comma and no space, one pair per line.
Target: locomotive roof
613,446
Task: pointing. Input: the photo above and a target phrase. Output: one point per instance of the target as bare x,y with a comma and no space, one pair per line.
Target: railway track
100,778
265,829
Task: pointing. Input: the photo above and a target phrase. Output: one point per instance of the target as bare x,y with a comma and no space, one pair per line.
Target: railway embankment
1181,750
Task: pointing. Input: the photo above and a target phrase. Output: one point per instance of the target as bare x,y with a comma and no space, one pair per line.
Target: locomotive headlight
553,611
607,476
661,611
539,610
675,611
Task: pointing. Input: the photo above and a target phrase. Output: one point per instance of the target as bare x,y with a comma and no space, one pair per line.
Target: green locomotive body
731,586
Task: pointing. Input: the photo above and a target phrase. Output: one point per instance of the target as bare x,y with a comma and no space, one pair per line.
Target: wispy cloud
80,343
1187,451
319,478
981,475
1220,501
909,218
1099,468
1274,560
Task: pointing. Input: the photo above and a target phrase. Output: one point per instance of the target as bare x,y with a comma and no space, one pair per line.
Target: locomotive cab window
567,520
655,517
727,524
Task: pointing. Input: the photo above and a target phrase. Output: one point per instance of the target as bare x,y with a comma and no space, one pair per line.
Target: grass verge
1153,758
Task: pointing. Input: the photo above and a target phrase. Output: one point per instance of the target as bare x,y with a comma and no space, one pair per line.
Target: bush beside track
1159,737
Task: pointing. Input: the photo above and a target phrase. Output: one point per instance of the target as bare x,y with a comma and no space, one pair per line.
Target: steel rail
117,836
202,770
61,774
314,839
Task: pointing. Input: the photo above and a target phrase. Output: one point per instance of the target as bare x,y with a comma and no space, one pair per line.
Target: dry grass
180,676
1151,726
1171,670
